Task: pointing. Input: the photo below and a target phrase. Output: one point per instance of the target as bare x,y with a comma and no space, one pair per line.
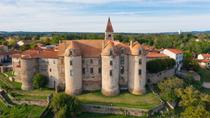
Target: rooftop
156,55
175,51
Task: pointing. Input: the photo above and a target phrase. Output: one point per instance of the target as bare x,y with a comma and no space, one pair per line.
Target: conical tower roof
109,27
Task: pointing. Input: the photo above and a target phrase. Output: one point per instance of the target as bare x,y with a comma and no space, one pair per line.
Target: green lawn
20,111
14,90
96,115
205,75
31,95
124,99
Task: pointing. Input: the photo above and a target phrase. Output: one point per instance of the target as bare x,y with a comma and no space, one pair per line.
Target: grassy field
124,99
31,95
96,115
23,111
14,90
205,75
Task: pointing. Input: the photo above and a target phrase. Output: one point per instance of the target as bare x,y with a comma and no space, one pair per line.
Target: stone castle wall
136,85
91,74
16,67
157,77
73,75
28,69
110,75
123,71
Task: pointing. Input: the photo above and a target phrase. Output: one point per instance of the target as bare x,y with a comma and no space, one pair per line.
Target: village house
175,54
204,60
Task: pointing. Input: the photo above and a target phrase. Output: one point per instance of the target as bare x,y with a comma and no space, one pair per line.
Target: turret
28,69
73,69
137,69
109,31
110,70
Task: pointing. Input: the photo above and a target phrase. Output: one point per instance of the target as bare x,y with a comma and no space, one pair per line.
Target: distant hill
24,33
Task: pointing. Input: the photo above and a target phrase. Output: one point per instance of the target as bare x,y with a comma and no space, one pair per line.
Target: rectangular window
110,62
122,70
91,70
139,52
91,61
122,60
83,61
99,70
71,73
110,72
110,52
83,70
70,62
140,61
139,71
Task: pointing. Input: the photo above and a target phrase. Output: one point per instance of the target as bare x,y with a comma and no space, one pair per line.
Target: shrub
157,65
64,105
167,88
39,81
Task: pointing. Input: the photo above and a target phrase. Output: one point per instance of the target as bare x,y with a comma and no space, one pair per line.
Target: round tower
137,69
28,69
73,69
110,70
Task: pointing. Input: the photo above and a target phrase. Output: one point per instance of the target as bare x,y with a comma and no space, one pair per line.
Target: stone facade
86,65
157,77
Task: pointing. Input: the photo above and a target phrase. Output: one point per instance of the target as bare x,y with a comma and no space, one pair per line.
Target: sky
135,16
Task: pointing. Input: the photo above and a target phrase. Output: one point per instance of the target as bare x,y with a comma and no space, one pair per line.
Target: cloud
91,15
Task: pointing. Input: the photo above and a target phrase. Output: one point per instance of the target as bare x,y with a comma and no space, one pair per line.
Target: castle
86,65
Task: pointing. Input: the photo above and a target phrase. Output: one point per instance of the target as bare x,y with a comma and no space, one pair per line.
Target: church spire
109,27
109,31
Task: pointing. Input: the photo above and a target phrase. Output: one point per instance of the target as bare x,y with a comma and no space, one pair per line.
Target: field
124,99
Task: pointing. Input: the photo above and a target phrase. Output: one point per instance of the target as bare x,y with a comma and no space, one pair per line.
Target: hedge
157,65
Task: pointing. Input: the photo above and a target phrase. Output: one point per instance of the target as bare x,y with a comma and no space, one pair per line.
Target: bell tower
109,33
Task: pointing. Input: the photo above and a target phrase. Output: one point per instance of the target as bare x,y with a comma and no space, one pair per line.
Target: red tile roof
176,51
206,55
156,55
35,53
204,60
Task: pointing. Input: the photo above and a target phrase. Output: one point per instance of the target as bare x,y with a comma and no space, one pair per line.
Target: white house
204,60
204,56
177,55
